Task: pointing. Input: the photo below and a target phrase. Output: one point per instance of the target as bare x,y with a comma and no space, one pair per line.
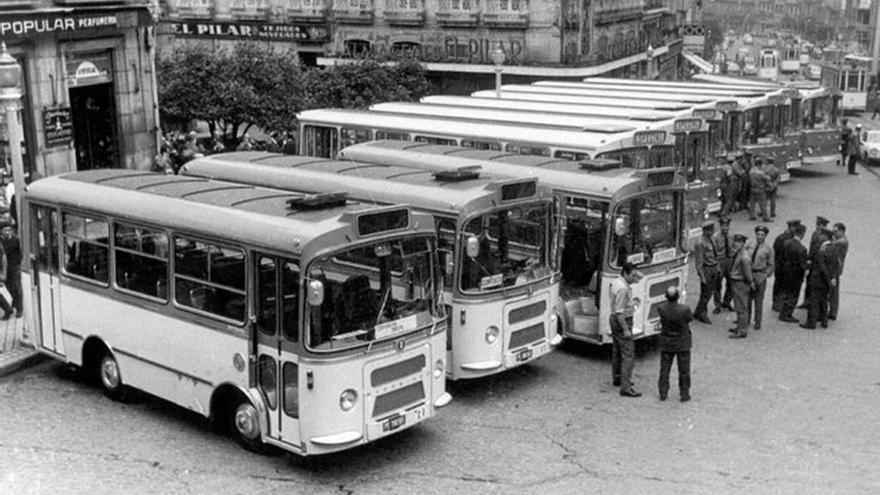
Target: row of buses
319,302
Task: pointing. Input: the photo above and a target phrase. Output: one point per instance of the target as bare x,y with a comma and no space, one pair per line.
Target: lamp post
649,62
498,58
10,99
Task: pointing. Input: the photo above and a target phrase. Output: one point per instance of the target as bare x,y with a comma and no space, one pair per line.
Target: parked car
870,146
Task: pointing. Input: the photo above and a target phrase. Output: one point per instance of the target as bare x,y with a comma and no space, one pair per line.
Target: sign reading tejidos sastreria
303,33
57,126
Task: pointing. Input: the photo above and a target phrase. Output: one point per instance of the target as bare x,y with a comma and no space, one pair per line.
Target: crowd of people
749,182
177,148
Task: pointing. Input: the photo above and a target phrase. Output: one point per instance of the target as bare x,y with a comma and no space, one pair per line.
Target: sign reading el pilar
303,33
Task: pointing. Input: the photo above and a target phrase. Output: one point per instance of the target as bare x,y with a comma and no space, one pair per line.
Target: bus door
46,289
583,250
277,314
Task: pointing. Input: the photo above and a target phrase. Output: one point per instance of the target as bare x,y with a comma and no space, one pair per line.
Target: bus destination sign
649,138
727,106
688,125
776,99
705,113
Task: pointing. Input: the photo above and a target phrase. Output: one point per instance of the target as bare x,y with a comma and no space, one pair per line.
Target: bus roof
554,173
364,181
243,213
605,93
636,114
586,124
651,89
697,83
582,141
621,102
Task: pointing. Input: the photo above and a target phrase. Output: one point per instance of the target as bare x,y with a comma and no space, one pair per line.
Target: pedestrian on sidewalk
12,247
621,321
839,247
741,274
855,150
708,271
761,258
675,344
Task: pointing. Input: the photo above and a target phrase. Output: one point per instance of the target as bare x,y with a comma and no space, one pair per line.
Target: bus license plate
524,355
394,423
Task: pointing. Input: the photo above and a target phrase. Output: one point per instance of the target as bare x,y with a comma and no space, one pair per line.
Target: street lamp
498,58
649,61
10,98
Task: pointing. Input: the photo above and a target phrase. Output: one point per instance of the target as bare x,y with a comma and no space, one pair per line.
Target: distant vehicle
870,146
768,64
804,59
814,72
734,69
749,68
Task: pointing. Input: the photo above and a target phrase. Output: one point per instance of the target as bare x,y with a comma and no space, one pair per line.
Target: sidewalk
13,355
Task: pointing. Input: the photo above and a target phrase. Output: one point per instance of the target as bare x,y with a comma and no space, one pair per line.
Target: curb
18,359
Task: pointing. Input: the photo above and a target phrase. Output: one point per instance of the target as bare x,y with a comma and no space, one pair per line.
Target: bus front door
46,287
277,309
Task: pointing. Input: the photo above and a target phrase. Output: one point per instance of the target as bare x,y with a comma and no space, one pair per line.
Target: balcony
249,10
307,11
401,14
353,11
191,9
511,14
458,13
610,14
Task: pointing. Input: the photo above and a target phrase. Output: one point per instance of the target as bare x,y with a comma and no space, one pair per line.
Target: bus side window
137,268
446,249
268,377
291,389
290,301
209,278
86,247
481,145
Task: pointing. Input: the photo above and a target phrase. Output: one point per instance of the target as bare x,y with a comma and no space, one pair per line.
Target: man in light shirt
621,321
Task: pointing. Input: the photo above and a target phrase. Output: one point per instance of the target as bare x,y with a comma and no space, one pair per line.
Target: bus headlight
636,303
439,368
492,334
347,399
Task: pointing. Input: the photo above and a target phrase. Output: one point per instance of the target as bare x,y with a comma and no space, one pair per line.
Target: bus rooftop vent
600,164
317,201
459,174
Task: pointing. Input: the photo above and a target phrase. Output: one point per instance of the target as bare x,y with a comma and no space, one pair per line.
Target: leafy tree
231,90
363,83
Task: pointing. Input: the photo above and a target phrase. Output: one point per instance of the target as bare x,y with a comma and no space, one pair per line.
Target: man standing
12,247
724,249
621,320
741,274
708,270
728,186
758,183
779,262
855,150
845,136
772,185
815,242
675,344
790,275
839,247
819,282
761,259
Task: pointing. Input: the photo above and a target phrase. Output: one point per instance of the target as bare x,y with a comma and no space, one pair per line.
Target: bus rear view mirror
619,226
473,247
316,293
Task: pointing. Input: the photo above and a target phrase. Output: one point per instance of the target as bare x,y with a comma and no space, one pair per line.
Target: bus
650,88
585,110
852,77
768,64
608,93
305,323
603,101
495,239
610,215
790,59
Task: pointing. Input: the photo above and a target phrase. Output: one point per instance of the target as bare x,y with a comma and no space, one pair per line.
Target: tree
362,83
231,90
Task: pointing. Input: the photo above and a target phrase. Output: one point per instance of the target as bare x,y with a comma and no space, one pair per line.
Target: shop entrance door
94,126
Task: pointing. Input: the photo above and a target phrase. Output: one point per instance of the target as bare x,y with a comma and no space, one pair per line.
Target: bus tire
110,378
244,425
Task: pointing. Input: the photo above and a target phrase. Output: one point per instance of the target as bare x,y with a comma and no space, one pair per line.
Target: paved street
786,410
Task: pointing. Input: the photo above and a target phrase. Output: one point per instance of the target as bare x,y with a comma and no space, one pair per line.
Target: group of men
751,182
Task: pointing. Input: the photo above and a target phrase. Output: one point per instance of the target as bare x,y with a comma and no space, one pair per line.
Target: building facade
89,93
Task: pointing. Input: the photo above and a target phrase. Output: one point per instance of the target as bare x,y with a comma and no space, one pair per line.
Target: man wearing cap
745,165
741,274
621,321
773,183
839,246
726,184
855,150
815,242
779,260
790,275
758,183
761,258
845,136
708,270
724,248
819,282
675,344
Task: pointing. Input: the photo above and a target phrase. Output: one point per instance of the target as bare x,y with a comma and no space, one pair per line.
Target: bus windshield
645,229
505,248
820,108
372,292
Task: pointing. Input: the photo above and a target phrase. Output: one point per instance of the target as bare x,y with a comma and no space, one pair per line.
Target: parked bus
604,101
585,110
607,93
768,64
650,88
294,321
790,60
851,76
610,215
496,240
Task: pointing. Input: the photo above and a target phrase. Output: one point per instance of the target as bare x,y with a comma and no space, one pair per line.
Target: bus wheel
246,427
110,378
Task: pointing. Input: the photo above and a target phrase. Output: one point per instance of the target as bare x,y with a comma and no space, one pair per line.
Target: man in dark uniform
745,165
773,174
845,136
741,274
758,183
779,262
839,247
815,242
708,270
790,275
724,248
819,282
675,344
854,150
728,185
12,248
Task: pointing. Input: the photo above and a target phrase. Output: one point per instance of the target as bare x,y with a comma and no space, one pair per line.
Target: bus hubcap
110,372
246,421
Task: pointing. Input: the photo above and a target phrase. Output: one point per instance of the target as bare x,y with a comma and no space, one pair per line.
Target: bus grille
397,371
659,289
526,312
527,335
398,398
652,313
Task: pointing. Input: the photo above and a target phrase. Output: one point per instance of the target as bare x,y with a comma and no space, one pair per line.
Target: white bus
608,93
296,321
585,110
496,240
603,101
610,216
790,62
768,64
650,88
852,77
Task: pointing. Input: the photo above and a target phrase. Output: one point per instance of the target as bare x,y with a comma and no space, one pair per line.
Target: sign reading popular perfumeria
38,24
247,31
